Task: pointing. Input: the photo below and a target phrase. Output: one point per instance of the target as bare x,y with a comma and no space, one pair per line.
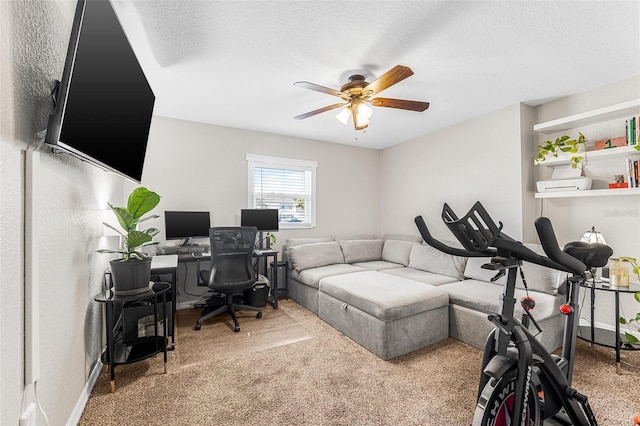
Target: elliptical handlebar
481,237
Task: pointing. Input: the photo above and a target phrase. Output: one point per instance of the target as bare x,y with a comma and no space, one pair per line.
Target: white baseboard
84,396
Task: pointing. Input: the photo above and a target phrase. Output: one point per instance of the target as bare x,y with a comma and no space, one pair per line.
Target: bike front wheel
495,405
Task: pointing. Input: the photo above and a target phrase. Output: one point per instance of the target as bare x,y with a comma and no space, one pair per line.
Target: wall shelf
589,193
612,112
618,152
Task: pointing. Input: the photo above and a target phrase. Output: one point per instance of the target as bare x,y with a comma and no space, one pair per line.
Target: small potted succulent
131,273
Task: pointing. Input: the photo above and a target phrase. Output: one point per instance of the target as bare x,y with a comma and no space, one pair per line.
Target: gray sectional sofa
394,294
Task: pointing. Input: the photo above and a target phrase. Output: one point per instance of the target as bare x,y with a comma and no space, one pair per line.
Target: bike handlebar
477,232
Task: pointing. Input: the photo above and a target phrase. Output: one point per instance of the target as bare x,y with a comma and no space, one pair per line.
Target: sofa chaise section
388,315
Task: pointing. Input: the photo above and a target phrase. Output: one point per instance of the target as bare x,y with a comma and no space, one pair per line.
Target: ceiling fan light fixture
364,113
343,115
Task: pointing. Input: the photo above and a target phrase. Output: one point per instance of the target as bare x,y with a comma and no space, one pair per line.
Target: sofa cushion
309,256
539,278
361,250
420,276
378,265
383,296
397,251
292,242
403,237
427,258
485,297
312,277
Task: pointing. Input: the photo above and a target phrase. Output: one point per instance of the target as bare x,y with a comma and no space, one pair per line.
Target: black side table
602,337
122,350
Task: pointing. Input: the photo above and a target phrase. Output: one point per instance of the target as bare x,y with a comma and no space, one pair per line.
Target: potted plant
563,144
131,273
627,337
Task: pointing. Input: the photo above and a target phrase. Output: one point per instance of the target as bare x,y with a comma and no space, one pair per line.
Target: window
284,184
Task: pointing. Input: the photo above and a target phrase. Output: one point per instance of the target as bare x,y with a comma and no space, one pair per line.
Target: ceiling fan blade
391,77
400,104
318,111
317,88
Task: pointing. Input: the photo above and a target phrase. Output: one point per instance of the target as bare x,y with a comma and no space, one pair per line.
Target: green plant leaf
136,239
113,227
111,251
630,338
151,231
141,201
637,296
622,321
125,219
155,216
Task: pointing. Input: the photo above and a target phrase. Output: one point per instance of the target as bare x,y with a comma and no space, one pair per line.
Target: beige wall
196,166
479,159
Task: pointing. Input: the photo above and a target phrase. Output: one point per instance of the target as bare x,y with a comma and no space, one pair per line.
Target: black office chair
232,270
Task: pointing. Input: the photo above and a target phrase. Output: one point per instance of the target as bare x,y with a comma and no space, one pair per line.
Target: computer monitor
186,225
263,219
266,220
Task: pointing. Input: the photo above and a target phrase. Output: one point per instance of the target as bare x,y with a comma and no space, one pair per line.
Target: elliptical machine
521,382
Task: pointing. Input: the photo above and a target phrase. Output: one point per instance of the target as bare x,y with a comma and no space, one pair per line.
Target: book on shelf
632,132
632,172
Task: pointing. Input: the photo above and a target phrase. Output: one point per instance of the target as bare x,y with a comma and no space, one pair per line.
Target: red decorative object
618,185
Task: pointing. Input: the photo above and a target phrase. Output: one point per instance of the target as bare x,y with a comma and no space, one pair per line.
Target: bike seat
593,255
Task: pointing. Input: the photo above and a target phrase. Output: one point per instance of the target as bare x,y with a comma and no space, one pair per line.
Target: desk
260,254
601,336
121,350
168,264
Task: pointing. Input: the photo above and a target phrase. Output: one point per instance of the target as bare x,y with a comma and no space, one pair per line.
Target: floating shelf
564,158
612,112
589,193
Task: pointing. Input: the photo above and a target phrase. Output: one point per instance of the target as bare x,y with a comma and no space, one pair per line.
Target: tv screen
186,224
104,102
263,219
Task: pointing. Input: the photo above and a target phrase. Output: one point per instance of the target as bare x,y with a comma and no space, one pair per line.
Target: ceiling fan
357,94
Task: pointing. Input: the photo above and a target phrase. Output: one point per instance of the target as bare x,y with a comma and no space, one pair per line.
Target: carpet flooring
291,368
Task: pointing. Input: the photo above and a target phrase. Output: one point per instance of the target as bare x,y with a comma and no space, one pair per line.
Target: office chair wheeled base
231,308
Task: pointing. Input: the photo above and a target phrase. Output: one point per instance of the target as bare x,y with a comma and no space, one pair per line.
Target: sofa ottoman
387,314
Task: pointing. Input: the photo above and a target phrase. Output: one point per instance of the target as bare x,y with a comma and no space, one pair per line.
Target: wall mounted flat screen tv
186,225
104,103
263,219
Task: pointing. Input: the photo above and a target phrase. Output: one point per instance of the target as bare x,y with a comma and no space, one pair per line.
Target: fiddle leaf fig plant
633,324
140,202
564,143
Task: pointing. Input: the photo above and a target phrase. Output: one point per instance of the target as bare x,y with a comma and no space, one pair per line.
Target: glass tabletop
633,287
155,289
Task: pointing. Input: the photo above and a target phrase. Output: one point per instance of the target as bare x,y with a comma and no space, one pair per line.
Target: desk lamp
593,236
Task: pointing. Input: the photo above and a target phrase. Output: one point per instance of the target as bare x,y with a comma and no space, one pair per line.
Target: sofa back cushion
397,251
361,250
309,256
291,242
539,278
426,258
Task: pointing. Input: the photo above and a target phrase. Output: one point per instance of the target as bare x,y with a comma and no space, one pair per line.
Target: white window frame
254,160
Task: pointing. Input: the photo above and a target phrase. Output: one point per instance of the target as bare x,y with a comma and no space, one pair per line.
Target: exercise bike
521,382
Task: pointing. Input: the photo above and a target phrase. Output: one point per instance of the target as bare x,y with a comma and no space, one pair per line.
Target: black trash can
258,294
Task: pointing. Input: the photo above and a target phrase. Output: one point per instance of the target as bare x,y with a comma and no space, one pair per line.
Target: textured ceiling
233,63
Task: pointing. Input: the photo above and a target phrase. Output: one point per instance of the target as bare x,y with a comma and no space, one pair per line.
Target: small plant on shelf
564,143
633,324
